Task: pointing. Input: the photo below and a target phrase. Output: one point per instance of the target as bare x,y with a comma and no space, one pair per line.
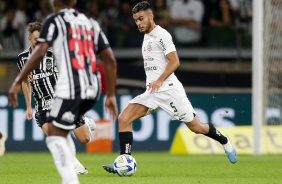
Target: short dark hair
144,5
34,26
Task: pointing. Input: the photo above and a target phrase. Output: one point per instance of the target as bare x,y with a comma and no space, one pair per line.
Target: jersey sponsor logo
68,117
149,59
149,46
40,76
162,44
150,68
30,78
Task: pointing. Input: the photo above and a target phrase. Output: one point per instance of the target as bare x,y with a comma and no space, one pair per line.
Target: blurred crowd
200,23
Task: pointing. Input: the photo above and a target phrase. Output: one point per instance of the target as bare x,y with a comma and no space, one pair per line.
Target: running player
76,41
41,82
163,88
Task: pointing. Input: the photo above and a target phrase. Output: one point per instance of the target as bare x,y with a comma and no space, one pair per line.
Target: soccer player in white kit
164,90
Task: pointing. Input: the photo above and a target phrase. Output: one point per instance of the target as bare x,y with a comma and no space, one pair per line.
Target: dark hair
144,5
34,26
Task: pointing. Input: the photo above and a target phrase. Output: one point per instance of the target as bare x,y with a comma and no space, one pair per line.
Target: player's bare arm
34,61
109,62
170,68
27,95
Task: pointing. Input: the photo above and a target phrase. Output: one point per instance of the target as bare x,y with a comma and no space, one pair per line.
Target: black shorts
65,113
41,118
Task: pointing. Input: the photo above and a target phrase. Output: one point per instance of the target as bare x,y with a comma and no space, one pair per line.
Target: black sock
216,135
125,142
0,135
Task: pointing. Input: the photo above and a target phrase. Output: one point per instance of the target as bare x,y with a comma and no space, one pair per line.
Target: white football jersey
156,45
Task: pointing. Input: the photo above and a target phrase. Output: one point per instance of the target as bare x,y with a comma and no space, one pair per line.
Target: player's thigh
132,112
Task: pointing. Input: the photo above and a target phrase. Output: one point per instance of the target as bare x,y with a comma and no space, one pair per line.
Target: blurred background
213,38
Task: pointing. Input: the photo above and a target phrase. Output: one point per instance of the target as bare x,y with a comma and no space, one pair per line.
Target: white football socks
70,142
63,158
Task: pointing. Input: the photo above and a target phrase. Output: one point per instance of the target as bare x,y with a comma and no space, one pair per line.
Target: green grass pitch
152,168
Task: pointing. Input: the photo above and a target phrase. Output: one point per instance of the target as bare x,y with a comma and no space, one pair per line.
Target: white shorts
173,101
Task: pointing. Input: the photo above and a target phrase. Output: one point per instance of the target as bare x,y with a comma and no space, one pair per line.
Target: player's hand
154,86
28,114
13,94
111,106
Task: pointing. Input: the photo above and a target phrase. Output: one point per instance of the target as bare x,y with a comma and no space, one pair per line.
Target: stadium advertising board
154,132
242,138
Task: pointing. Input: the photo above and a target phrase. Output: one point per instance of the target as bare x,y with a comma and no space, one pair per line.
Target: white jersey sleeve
166,43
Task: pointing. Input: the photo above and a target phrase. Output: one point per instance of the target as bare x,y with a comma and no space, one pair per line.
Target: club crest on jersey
149,46
48,64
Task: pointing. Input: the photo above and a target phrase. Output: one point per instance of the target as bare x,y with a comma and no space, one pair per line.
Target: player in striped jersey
41,82
76,41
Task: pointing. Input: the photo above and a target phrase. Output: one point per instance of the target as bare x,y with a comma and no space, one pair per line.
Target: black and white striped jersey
76,40
42,79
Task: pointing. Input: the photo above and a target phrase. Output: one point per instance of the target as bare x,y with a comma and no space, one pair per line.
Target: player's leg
131,113
84,132
210,131
3,138
178,106
78,167
64,114
84,135
41,118
62,154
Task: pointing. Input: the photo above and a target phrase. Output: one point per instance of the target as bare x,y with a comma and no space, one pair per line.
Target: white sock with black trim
63,158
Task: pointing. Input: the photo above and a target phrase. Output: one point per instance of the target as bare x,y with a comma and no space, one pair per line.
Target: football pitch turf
152,167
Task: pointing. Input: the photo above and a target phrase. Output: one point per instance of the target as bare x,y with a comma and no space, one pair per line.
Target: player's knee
121,119
85,140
